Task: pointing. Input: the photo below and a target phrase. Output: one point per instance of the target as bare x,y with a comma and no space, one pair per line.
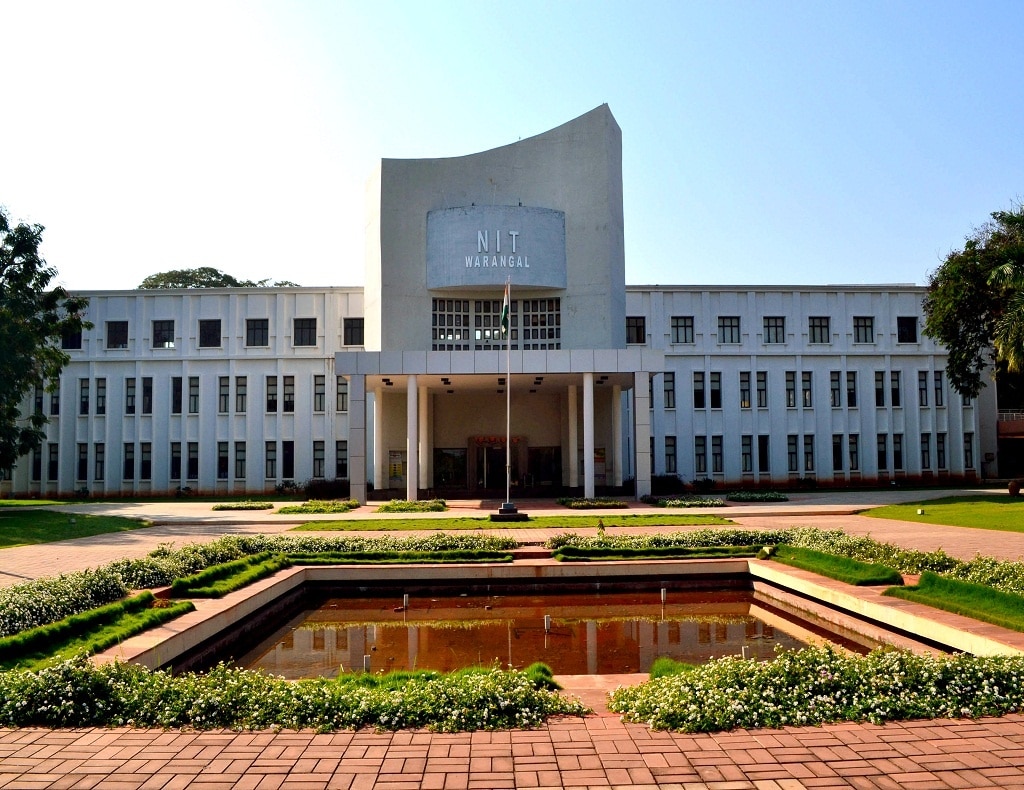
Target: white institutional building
400,387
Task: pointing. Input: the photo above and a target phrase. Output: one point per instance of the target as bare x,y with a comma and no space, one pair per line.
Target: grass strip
664,666
998,512
219,580
977,601
606,553
25,527
609,521
393,557
843,569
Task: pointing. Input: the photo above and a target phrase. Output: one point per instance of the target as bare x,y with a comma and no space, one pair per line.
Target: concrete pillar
642,432
426,451
380,453
616,454
357,438
412,440
588,435
574,453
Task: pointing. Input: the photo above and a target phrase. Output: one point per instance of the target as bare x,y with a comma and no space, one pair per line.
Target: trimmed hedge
843,569
589,553
971,600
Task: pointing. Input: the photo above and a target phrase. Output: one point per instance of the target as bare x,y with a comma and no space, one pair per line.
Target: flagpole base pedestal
509,512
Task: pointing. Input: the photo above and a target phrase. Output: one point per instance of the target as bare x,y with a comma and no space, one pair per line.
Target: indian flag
505,309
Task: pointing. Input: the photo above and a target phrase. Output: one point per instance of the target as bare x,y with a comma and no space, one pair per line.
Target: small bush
664,666
757,496
667,484
246,505
1014,488
326,489
704,486
541,676
692,501
321,506
591,504
414,506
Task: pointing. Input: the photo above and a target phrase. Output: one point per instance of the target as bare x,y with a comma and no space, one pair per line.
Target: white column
380,453
574,453
642,432
588,435
426,470
412,452
616,453
357,437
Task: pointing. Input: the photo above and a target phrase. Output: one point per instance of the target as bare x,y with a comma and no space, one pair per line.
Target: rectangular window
193,394
764,465
716,455
863,329
883,452
288,401
728,329
117,334
854,446
341,394
209,333
239,460
835,388
926,451
176,395
37,399
922,388
940,390
71,341
163,334
341,460
319,462
897,451
175,460
837,452
451,328
880,389
304,332
129,462
806,389
241,394
257,332
101,396
747,453
193,461
145,461
818,329
82,468
791,389
698,389
83,396
774,329
682,329
99,461
223,394
37,465
55,399
809,453
670,455
222,460
762,389
319,393
744,389
894,380
288,460
636,329
147,394
270,460
906,329
700,455
716,390
967,401
792,453
940,450
352,333
968,451
271,394
851,389
52,461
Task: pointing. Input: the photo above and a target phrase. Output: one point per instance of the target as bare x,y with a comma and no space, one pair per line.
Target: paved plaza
597,751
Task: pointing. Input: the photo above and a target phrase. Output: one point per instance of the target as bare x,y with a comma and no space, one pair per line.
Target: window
716,390
129,462
940,450
239,460
791,389
145,461
728,329
209,333
774,329
636,329
193,394
809,453
288,460
763,455
851,389
304,332
318,459
837,452
818,329
835,388
163,334
37,465
880,389
129,396
922,388
897,451
894,381
37,399
716,455
270,460
854,447
792,454
353,332
71,341
99,461
906,329
147,394
682,329
83,396
271,394
700,455
176,395
319,393
698,389
175,460
806,389
82,468
193,461
747,453
940,390
117,334
341,394
883,452
222,460
451,328
341,460
101,396
55,399
670,455
863,329
926,451
257,332
744,389
241,394
288,401
52,461
968,451
670,390
223,394
967,401
762,389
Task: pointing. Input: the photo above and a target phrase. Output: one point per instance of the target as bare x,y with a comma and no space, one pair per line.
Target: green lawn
995,511
20,527
538,522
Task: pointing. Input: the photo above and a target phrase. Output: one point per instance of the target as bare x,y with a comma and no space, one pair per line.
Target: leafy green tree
205,277
33,320
975,302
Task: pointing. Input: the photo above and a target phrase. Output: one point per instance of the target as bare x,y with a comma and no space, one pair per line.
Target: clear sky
763,142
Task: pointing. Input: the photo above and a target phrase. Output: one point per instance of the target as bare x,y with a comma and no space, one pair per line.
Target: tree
205,277
975,302
33,320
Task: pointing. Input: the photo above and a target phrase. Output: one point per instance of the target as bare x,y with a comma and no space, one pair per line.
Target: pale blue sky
783,142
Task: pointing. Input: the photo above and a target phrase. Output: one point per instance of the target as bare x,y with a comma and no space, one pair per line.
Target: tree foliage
206,277
32,322
975,302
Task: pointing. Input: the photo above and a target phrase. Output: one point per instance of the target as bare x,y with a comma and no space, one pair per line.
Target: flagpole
508,397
